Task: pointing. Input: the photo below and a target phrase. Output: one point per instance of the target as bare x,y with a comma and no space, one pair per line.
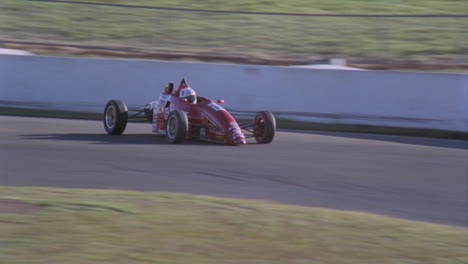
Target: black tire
115,117
176,127
264,127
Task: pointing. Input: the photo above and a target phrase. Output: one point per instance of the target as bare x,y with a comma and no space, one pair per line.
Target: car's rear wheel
264,127
176,127
115,117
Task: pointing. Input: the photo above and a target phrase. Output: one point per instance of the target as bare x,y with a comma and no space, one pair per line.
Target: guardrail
402,99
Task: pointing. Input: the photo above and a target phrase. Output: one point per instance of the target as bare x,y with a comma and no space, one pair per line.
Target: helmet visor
191,99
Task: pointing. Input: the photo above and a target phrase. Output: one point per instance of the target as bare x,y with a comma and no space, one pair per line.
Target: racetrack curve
415,178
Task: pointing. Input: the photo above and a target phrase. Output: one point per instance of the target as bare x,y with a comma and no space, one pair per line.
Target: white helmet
190,94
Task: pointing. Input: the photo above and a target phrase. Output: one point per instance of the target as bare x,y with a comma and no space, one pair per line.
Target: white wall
425,100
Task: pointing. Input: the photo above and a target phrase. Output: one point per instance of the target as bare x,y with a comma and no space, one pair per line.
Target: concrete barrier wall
424,100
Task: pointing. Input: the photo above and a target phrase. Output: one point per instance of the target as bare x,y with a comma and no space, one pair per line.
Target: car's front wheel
115,117
264,127
176,127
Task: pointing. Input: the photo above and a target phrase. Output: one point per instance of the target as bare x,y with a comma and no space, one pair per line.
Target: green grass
109,226
413,39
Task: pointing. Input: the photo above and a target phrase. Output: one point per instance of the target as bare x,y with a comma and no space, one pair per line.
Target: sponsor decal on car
236,131
154,122
216,107
155,106
233,126
164,97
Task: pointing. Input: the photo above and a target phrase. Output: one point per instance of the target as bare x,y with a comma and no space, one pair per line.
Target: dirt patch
11,206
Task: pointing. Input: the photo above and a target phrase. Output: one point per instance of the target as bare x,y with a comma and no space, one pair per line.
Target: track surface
415,178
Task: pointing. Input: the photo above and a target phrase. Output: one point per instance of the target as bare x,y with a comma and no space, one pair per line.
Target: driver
190,94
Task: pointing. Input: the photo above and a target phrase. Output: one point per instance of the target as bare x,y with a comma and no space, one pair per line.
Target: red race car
180,114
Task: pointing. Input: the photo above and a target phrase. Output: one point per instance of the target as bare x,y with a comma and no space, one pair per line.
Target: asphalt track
414,178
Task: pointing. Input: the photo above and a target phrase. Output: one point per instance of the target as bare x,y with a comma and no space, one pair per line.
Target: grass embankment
403,39
103,226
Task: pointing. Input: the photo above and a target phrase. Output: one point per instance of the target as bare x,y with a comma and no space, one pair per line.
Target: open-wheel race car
180,114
